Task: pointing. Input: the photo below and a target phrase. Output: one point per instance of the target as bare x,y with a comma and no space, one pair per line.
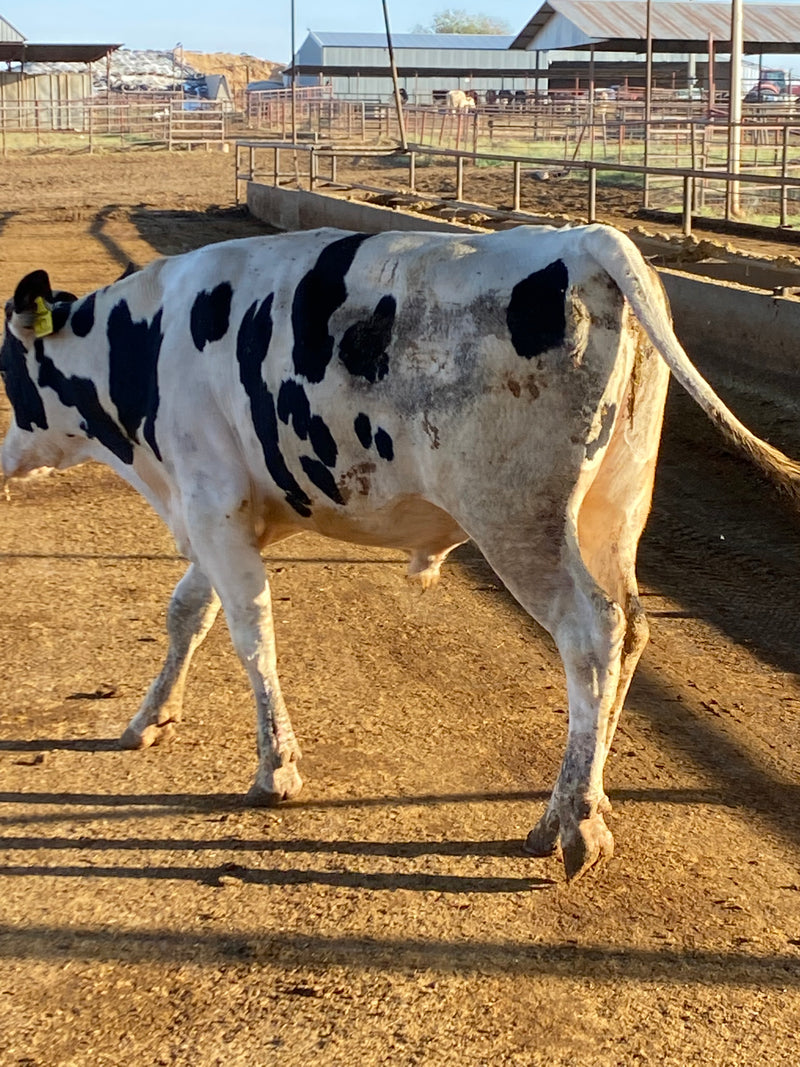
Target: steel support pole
735,106
688,194
592,194
293,82
648,86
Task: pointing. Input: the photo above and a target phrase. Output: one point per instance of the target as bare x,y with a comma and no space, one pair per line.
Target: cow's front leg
226,550
253,635
191,613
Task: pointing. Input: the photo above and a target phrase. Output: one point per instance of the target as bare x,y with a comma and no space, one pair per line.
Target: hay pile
238,69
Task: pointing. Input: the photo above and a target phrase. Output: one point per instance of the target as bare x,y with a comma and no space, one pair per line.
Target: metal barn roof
9,32
416,54
413,40
23,52
675,26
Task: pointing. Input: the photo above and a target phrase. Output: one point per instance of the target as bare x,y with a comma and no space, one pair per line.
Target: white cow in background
457,100
407,390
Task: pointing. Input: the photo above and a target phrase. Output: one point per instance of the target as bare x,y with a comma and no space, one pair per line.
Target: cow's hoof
543,838
154,734
285,783
589,844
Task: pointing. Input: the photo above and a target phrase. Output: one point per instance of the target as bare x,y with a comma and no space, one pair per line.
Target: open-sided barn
357,64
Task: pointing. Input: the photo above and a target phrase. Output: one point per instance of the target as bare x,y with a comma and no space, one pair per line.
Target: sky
259,27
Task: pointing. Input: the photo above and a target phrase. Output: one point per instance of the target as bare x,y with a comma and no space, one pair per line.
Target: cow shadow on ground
5,218
171,232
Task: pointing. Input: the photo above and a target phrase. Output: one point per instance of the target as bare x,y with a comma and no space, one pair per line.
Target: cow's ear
32,287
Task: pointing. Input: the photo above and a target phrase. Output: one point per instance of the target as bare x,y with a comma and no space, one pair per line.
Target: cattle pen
386,916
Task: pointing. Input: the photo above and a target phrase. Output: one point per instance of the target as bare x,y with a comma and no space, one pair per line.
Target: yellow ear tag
42,318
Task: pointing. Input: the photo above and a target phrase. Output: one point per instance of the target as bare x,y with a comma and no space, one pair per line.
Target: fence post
688,194
592,193
459,178
516,185
412,171
784,171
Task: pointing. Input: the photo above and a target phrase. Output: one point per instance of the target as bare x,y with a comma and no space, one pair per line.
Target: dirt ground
388,917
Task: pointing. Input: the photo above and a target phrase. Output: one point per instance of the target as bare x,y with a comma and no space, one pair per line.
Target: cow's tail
620,257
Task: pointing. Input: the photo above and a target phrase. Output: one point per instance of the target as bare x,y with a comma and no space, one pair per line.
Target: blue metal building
356,65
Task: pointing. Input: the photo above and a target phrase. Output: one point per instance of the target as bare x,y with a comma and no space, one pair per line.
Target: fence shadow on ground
681,967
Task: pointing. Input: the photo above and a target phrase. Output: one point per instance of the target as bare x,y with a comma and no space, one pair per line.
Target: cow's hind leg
610,519
554,586
543,839
589,628
191,613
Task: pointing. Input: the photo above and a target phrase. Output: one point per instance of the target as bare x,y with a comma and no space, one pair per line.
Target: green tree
456,20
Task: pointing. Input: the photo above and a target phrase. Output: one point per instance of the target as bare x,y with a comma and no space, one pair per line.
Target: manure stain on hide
357,479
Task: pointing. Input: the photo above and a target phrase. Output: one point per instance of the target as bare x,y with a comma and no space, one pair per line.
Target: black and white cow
408,390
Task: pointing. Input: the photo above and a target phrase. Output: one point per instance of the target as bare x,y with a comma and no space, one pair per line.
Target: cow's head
44,432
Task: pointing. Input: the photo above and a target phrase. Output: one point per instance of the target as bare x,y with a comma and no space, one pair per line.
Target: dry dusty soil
389,916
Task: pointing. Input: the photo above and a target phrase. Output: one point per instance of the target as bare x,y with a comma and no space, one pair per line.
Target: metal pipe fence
126,120
688,135
606,141
693,185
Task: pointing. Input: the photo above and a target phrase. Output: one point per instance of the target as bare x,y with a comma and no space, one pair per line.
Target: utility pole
293,84
398,103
